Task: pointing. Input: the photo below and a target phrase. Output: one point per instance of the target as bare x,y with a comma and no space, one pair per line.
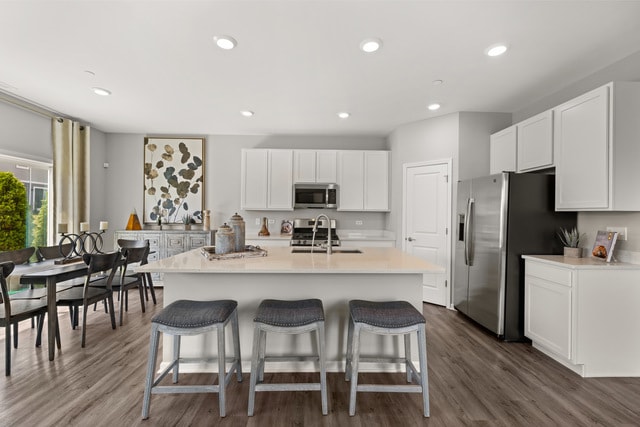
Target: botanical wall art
173,179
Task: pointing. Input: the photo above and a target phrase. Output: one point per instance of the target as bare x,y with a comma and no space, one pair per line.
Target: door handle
410,239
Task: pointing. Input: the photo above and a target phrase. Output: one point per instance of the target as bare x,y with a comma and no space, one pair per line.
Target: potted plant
187,220
571,240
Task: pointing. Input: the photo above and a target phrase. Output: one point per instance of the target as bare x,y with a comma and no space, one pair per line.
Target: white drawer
197,241
176,242
550,273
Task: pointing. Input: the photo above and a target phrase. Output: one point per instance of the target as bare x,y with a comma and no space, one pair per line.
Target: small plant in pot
187,220
571,240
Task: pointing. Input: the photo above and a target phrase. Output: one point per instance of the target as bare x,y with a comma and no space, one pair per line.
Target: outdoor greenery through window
24,203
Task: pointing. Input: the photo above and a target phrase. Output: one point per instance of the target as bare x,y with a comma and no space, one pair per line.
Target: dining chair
53,252
101,270
14,311
127,279
148,282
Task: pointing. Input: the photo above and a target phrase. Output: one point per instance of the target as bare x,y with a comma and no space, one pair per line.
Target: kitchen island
375,274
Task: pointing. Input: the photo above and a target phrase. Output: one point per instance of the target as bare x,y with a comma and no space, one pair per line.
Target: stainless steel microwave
315,196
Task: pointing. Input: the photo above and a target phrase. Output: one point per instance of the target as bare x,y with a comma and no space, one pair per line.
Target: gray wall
222,176
627,69
462,137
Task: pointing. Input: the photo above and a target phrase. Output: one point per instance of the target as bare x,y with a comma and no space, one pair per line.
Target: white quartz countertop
581,263
281,260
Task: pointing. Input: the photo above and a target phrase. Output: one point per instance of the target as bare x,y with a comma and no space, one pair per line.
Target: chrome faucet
315,228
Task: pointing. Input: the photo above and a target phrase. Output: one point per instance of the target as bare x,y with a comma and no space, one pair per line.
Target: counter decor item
571,240
264,231
286,227
225,240
206,220
187,220
237,223
173,178
604,244
209,252
133,223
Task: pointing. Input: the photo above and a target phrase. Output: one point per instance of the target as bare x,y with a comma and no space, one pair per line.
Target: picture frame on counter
173,173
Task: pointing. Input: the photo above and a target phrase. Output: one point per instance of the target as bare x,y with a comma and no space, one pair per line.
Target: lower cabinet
583,313
166,243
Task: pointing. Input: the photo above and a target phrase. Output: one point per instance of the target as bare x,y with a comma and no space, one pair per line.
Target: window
36,177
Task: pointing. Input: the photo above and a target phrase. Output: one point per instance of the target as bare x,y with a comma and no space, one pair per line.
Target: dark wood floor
474,380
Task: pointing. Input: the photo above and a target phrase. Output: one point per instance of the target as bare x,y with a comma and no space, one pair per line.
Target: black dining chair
53,252
14,311
127,279
148,282
101,271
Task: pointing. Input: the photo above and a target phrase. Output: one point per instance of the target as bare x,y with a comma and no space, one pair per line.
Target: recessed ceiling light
433,107
247,113
370,45
225,42
437,82
100,91
89,72
343,115
496,49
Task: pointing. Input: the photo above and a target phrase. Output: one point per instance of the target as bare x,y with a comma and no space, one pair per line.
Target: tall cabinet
363,180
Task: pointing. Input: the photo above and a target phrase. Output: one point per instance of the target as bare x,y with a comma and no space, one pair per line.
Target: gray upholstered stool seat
289,317
185,317
386,318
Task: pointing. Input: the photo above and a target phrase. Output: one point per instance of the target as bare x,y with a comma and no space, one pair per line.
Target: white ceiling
297,62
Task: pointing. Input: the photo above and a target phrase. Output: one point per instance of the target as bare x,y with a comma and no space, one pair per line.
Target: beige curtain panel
70,173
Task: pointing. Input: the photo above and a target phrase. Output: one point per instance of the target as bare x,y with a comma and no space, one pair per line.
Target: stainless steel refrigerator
499,218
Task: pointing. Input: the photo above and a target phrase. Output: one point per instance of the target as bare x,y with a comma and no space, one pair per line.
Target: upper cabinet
535,142
523,147
313,166
363,180
596,150
267,179
503,151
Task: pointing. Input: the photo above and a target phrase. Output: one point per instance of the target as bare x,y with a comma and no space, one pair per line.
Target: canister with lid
237,223
225,240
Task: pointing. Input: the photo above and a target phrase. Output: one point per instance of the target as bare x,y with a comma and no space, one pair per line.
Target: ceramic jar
237,223
225,240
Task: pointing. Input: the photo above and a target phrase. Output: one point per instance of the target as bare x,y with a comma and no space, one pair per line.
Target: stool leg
254,369
236,345
407,356
151,367
355,358
323,369
262,356
424,378
347,367
176,357
221,369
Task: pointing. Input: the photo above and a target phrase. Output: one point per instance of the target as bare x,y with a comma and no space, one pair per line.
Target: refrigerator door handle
468,232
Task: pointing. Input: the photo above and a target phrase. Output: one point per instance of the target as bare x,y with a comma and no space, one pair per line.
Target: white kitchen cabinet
502,151
266,179
596,150
582,313
315,166
535,142
363,180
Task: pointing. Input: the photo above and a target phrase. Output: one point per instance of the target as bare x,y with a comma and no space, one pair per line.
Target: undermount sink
324,251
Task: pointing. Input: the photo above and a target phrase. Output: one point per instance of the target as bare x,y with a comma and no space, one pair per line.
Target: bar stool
386,318
289,317
185,317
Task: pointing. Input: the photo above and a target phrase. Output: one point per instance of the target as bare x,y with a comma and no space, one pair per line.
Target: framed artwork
173,180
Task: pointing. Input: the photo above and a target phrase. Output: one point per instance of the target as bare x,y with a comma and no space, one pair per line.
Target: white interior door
426,219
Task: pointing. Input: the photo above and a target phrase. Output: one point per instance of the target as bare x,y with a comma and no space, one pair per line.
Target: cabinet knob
410,239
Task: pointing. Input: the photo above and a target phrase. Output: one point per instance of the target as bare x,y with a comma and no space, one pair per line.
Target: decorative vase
573,252
264,231
206,219
187,227
134,222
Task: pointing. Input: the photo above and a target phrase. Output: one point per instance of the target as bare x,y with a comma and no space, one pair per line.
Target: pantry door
427,223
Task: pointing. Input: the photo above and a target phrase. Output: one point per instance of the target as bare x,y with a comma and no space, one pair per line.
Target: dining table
50,273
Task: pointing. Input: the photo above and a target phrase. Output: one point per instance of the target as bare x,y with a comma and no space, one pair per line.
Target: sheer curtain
70,173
